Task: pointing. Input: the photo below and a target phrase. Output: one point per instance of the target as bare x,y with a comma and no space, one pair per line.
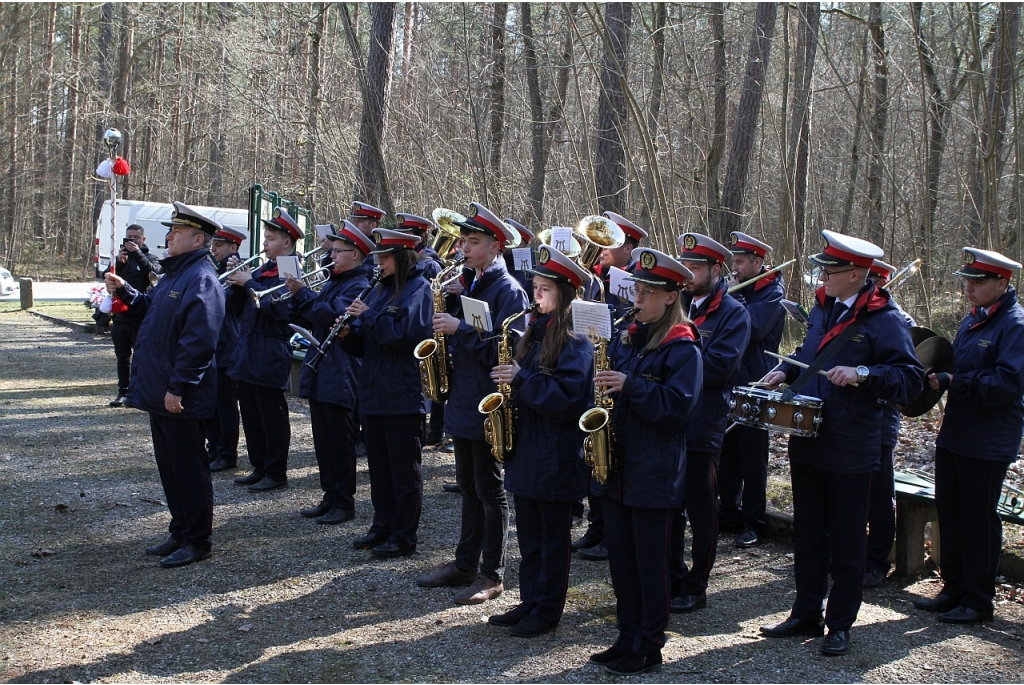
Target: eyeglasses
643,293
341,250
825,275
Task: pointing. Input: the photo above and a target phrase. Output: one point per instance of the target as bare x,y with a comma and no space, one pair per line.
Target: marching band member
480,554
523,276
743,472
171,378
550,376
862,342
331,389
724,327
222,430
655,382
388,325
979,438
263,362
366,217
591,546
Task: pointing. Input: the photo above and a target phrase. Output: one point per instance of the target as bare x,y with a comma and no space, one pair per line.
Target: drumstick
802,365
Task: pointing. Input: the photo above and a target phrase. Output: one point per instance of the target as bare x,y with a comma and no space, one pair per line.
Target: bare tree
879,119
717,148
609,154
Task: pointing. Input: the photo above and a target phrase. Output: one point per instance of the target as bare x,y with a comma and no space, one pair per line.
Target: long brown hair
658,330
404,261
557,333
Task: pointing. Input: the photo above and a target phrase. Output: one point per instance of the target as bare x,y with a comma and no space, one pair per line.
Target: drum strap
837,344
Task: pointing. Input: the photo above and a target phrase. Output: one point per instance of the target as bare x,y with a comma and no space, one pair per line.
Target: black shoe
684,604
962,614
337,515
448,447
634,664
451,487
837,642
589,539
749,538
608,656
185,555
433,439
254,477
531,626
596,553
119,400
319,510
874,577
392,550
792,627
510,617
222,464
370,540
169,546
940,604
267,483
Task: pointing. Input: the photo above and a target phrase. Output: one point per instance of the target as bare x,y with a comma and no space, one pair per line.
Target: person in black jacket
331,389
724,327
135,265
979,438
862,342
262,365
655,382
172,380
550,375
743,472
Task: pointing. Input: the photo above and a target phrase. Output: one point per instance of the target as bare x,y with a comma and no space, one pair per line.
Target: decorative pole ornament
110,169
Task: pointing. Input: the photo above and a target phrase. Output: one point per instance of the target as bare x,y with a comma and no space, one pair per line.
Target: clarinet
313,361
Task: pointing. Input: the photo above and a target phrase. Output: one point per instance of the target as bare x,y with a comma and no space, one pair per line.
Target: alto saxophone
432,353
500,424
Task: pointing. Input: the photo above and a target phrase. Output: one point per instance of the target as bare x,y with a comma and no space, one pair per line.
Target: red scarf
716,300
983,318
684,331
765,281
870,300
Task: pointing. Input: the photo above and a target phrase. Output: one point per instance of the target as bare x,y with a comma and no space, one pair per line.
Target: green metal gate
261,206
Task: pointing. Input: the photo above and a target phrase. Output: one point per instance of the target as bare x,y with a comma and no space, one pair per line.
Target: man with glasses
861,342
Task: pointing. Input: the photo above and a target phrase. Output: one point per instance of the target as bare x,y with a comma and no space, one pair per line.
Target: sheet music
477,314
619,286
561,238
288,266
522,257
590,319
324,230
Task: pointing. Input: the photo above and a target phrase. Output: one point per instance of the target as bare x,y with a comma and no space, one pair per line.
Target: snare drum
760,408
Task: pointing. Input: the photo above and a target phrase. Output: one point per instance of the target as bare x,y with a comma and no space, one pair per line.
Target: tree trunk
800,131
879,119
746,121
858,126
496,92
42,161
609,152
106,40
71,128
717,149
313,104
654,109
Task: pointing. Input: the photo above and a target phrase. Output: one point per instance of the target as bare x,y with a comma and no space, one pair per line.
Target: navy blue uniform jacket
263,356
335,379
724,327
385,336
984,411
432,264
767,321
651,414
177,339
850,436
135,271
475,355
617,305
234,303
547,458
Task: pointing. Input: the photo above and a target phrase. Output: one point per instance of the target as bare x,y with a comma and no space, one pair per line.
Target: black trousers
701,506
830,515
123,334
222,429
268,432
436,426
595,517
393,445
882,514
544,530
483,539
638,544
966,494
335,453
185,475
743,478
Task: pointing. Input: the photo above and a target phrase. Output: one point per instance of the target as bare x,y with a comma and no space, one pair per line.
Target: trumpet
238,267
258,295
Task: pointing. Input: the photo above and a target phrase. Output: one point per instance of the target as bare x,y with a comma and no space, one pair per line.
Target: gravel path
286,600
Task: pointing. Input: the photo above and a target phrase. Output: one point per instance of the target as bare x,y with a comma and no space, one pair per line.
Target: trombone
257,295
905,272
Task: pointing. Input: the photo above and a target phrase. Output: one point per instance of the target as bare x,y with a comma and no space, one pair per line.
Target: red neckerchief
765,281
269,272
681,331
984,319
716,300
872,299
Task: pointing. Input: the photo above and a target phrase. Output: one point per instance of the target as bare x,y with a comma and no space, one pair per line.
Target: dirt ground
286,600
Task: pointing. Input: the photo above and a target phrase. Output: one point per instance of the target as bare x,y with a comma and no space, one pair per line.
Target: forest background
893,122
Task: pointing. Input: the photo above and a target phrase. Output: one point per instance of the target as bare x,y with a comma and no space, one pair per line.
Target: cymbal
936,356
920,333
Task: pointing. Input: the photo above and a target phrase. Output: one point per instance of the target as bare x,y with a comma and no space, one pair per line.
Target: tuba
596,233
448,231
432,353
500,424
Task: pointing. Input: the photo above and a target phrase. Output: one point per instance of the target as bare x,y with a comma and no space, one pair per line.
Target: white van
149,215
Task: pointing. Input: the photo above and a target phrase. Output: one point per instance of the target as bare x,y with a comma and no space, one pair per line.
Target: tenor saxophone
500,424
432,353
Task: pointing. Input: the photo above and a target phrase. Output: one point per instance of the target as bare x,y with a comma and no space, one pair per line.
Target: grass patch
68,310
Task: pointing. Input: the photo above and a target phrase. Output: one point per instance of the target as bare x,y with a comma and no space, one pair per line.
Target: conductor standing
174,378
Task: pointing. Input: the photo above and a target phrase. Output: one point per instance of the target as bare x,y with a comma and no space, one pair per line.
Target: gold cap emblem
733,239
648,260
543,254
378,238
968,257
690,241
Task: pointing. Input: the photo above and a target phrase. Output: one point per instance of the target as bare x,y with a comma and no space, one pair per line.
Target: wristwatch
862,373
